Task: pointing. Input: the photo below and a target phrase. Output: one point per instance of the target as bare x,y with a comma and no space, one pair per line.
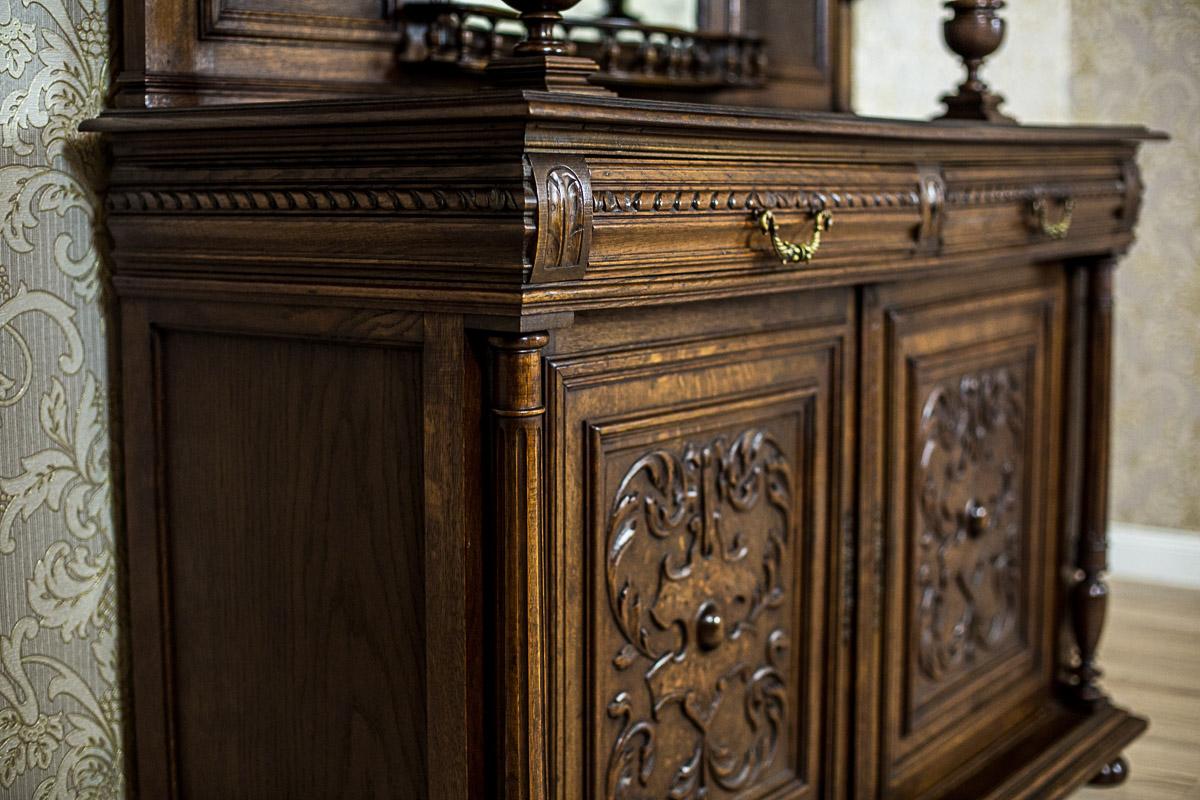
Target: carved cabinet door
961,409
697,457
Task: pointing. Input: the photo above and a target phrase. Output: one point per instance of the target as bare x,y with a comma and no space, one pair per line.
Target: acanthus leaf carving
564,217
565,232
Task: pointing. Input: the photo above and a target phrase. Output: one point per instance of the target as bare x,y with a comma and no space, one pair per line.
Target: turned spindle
974,32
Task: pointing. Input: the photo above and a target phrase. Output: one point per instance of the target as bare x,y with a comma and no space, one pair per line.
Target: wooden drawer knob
710,628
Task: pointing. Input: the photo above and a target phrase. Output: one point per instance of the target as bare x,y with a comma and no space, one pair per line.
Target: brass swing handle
1055,230
795,252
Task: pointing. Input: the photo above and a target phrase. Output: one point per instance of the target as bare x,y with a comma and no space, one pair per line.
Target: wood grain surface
296,555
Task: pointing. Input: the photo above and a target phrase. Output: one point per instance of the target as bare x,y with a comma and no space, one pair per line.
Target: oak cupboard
540,443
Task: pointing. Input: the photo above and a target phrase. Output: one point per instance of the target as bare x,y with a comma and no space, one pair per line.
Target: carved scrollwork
968,567
696,564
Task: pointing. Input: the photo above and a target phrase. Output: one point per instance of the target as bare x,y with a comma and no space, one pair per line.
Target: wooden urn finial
542,60
540,17
618,11
974,33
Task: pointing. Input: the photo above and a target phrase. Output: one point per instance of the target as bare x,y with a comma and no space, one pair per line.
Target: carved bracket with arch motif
564,217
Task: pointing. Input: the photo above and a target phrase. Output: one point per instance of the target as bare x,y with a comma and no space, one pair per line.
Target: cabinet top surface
556,108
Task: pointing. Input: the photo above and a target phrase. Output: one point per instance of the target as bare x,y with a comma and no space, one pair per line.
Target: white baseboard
1154,555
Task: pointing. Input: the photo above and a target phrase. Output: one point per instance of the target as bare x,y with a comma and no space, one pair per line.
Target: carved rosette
697,564
968,555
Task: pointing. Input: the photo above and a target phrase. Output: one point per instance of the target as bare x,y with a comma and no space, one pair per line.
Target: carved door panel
697,524
962,400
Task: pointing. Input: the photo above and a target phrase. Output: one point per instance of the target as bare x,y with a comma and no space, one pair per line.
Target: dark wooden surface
296,553
295,561
499,419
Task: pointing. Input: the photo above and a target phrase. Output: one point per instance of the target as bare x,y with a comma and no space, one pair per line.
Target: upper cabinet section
778,53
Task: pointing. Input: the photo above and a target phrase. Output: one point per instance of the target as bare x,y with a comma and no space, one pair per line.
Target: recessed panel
966,519
295,567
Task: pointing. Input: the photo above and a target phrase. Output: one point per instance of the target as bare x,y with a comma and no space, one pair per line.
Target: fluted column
518,411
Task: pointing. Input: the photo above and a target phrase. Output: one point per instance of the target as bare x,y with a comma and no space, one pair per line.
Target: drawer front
963,408
696,531
673,223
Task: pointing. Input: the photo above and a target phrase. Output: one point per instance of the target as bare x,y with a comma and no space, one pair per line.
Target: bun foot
1113,773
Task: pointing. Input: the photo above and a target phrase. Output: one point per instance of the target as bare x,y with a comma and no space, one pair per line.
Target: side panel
295,552
290,561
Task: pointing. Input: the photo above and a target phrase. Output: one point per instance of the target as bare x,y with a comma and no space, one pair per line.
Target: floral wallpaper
59,709
1139,61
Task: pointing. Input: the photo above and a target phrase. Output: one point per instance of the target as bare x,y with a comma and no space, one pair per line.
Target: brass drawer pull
795,252
1055,230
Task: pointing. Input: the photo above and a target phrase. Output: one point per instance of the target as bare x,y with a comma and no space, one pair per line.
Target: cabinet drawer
697,487
961,409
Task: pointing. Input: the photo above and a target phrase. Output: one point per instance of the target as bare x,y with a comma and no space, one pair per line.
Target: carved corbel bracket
1131,177
932,193
563,185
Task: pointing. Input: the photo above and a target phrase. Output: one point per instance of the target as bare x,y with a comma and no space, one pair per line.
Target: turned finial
540,18
542,60
618,12
974,32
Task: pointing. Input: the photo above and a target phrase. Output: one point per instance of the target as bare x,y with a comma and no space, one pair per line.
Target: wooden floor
1151,657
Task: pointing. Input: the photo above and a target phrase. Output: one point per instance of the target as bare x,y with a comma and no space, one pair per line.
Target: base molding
1154,555
1054,753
